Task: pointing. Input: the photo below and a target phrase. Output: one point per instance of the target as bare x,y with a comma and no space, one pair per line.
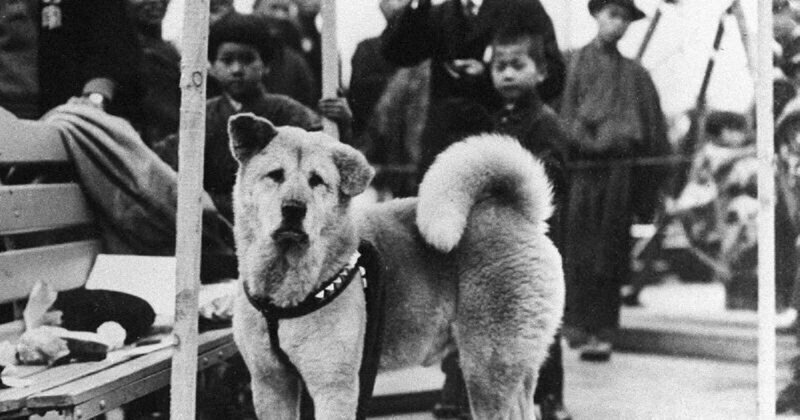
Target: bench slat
31,142
29,208
64,266
216,344
14,398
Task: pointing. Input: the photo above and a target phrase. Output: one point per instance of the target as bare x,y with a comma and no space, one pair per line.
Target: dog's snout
293,211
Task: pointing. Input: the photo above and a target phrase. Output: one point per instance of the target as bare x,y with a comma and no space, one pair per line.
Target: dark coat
161,94
95,40
290,75
539,130
369,77
391,140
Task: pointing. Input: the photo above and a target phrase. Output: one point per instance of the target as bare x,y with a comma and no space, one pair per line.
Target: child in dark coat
239,48
517,68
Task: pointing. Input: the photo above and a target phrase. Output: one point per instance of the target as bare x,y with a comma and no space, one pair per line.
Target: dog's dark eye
315,180
276,175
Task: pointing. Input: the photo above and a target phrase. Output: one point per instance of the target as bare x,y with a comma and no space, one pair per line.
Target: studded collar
320,297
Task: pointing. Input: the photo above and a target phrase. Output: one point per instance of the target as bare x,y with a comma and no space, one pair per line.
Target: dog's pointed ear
249,134
355,173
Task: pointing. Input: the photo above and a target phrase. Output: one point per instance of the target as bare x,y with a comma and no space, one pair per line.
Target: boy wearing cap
613,115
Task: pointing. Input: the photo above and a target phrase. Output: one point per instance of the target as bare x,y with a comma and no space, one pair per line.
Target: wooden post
189,219
747,40
766,216
651,29
330,59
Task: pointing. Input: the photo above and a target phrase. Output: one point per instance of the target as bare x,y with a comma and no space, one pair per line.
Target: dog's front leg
335,392
326,346
276,395
276,389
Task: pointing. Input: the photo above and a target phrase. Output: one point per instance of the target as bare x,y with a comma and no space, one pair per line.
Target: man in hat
612,112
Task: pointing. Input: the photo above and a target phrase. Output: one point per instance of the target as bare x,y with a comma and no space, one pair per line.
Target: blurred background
676,56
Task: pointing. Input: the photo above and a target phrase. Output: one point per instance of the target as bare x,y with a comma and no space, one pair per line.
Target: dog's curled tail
490,166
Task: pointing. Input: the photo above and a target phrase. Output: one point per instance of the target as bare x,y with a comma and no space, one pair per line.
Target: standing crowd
436,74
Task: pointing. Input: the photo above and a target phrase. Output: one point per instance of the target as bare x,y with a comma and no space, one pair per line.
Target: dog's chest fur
331,334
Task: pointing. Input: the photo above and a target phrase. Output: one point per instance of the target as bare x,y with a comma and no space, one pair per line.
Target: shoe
553,409
596,350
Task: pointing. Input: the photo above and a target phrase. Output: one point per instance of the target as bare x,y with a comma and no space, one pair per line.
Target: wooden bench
47,234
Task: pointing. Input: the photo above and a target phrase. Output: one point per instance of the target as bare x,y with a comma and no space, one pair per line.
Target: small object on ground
596,350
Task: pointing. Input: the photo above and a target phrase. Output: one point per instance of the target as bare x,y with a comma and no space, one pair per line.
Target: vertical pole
748,41
766,217
189,219
648,36
330,59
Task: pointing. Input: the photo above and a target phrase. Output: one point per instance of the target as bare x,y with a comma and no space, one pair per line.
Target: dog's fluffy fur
468,267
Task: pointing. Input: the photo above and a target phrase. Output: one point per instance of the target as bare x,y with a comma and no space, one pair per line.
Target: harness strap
306,403
375,296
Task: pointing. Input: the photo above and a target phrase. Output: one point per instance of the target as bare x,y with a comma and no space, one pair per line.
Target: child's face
612,22
514,73
238,68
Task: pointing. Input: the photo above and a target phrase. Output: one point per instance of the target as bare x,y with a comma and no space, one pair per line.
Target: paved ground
635,386
642,386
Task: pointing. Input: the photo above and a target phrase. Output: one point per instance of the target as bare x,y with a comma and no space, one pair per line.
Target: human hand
335,109
85,100
468,66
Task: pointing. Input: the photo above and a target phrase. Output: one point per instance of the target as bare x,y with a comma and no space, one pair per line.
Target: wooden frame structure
189,219
190,186
766,215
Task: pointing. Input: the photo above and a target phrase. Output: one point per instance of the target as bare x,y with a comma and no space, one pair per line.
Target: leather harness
366,262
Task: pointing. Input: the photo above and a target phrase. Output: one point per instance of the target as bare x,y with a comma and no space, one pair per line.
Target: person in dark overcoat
54,50
455,36
613,116
160,72
370,72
